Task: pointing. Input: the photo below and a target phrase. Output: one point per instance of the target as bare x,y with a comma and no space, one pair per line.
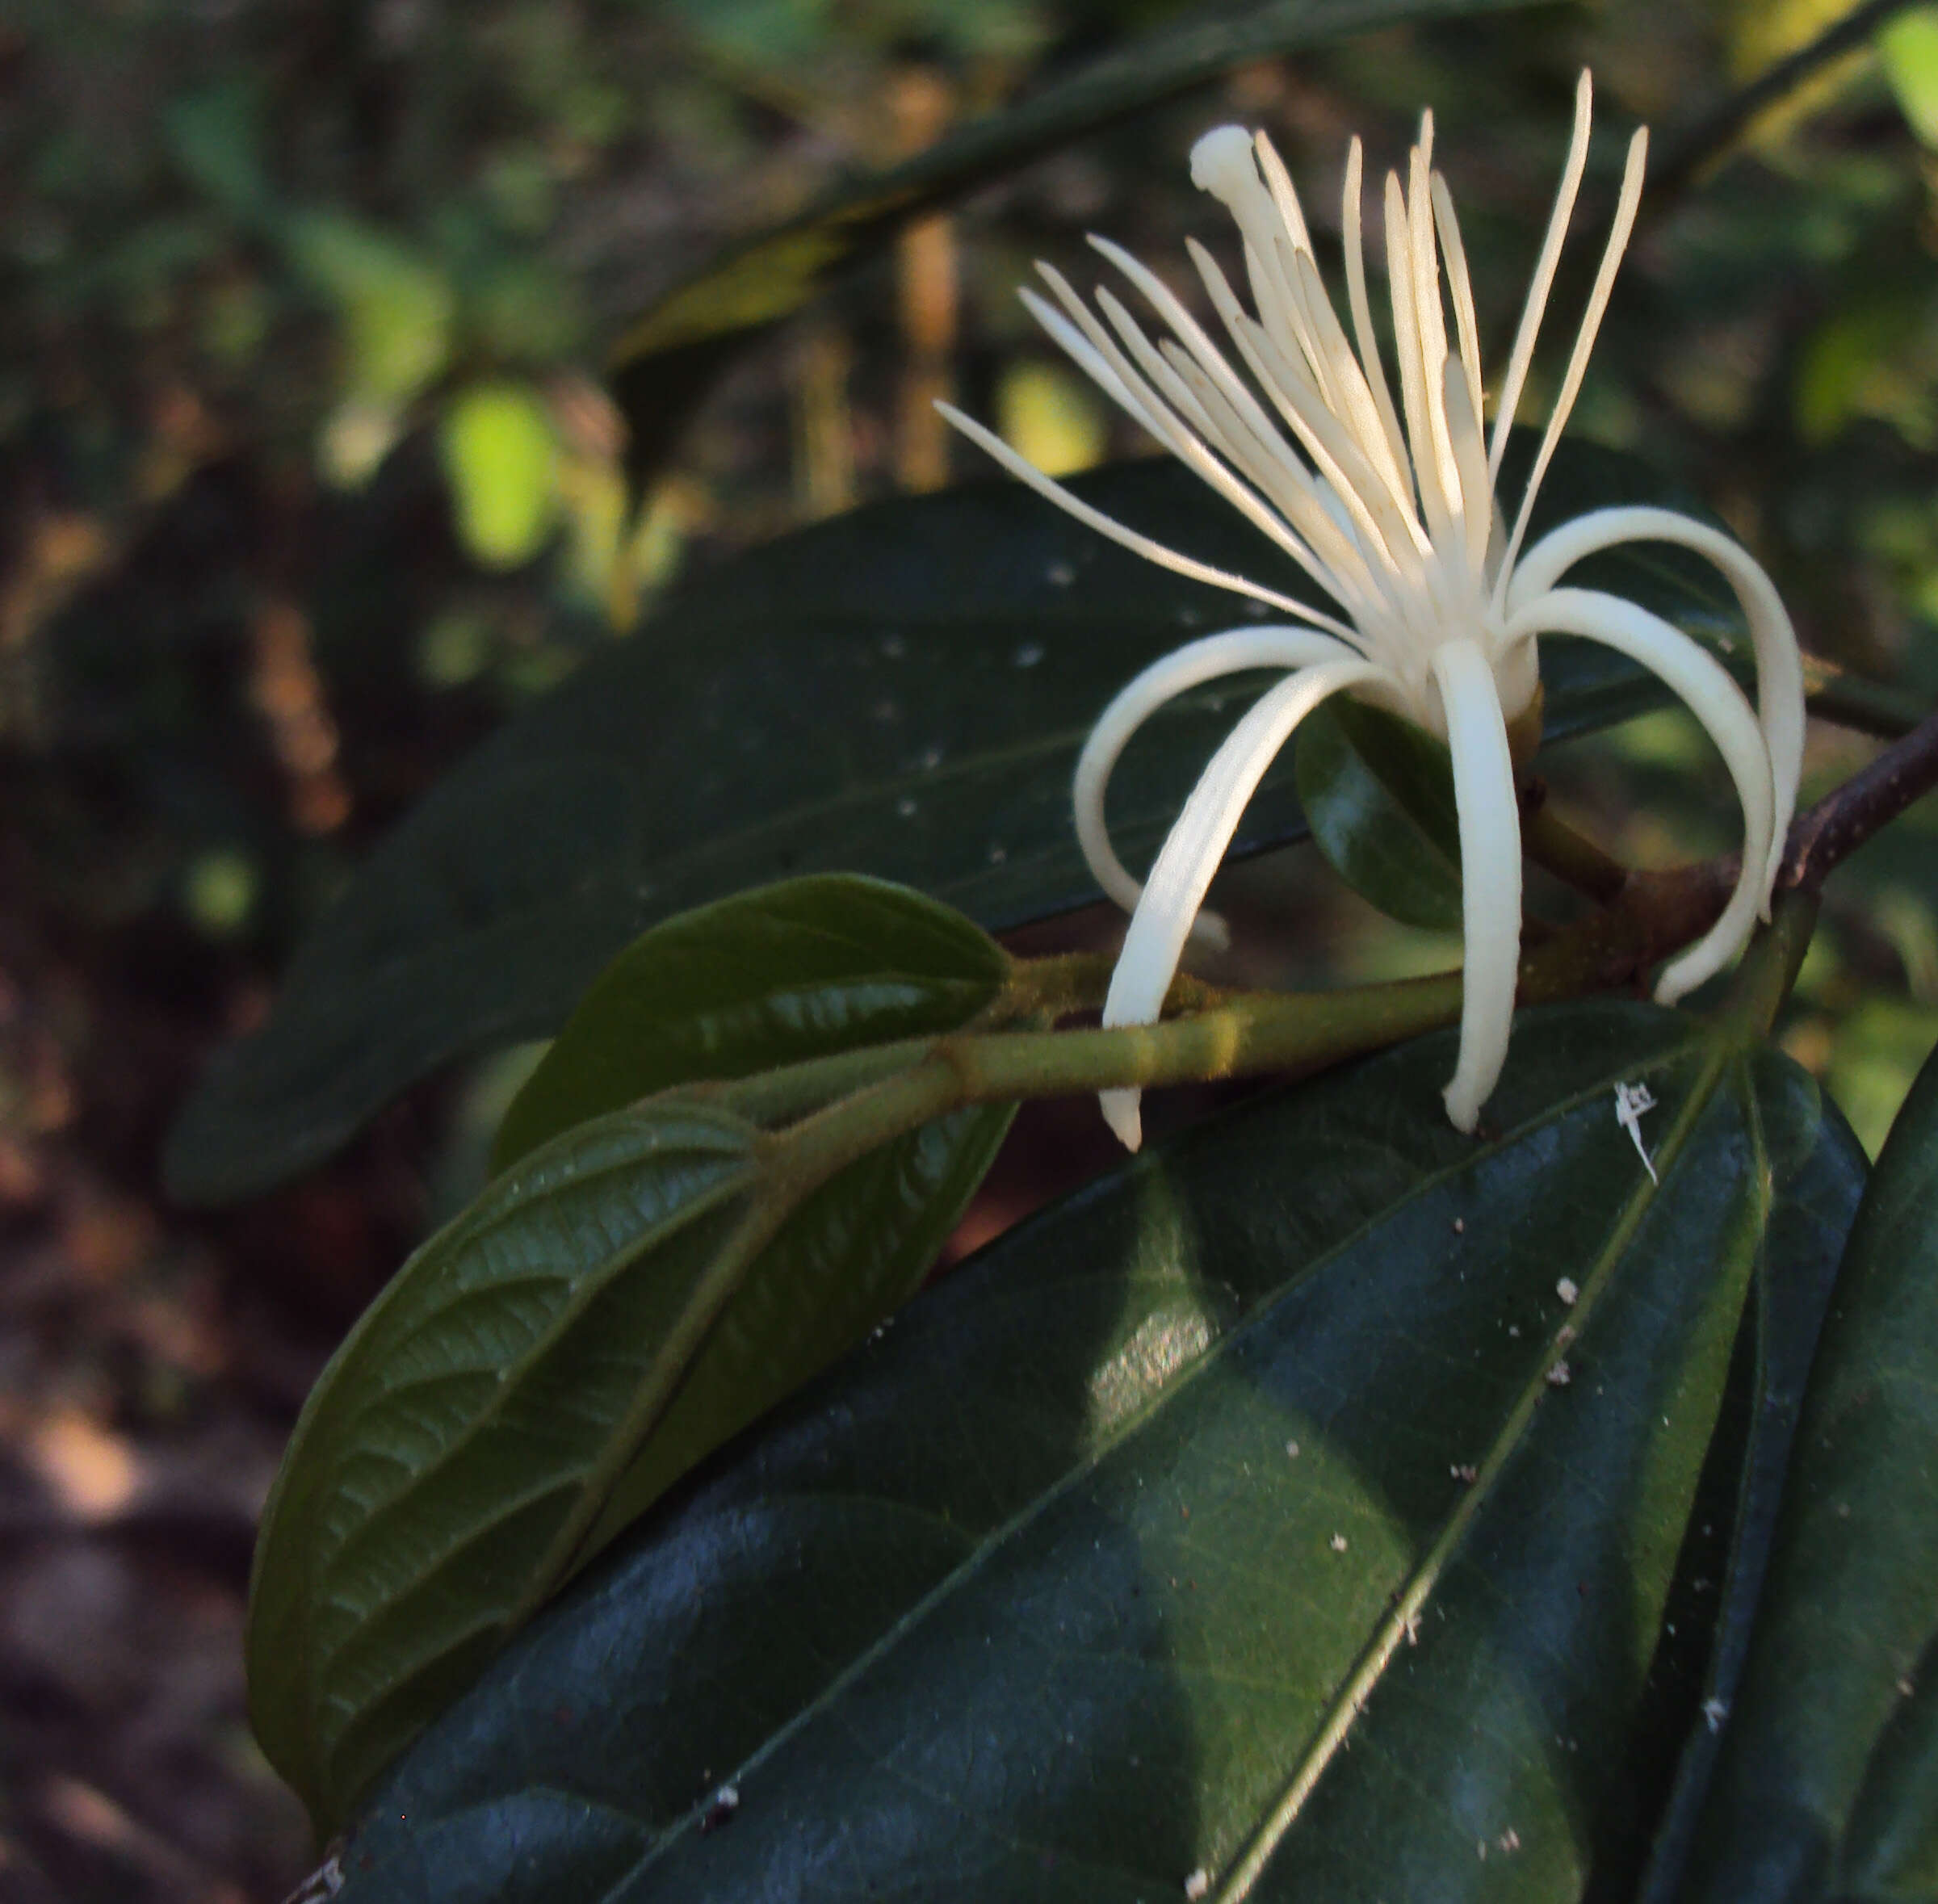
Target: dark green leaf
845,1262
534,1375
902,692
772,977
804,970
663,364
1148,1533
1379,795
440,1456
1827,1785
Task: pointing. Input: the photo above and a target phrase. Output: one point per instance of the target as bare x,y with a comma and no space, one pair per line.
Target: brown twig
1844,820
1656,914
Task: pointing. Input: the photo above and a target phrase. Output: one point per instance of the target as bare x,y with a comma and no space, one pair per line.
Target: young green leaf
1205,1525
535,1376
785,973
1827,1785
807,969
610,1311
902,692
430,1490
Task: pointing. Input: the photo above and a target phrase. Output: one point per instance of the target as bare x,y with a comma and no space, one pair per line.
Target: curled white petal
1490,873
1197,842
1718,703
1780,707
1233,652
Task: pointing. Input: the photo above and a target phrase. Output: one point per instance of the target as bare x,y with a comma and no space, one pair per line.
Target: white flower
1392,512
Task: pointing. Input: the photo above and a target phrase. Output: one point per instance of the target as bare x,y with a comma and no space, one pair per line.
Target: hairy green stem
1290,1034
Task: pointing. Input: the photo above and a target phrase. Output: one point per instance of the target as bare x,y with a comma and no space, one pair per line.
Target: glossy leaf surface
665,362
901,692
1379,795
806,969
535,1374
1828,1781
1147,1539
441,1454
775,976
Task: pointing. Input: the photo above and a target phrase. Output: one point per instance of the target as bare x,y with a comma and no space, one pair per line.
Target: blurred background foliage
309,474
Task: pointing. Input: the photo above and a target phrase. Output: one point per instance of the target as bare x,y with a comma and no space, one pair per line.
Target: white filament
1389,509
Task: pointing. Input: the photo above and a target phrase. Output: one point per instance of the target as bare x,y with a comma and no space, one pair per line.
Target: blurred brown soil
151,1366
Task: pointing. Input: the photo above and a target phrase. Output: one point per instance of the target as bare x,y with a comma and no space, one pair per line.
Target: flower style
1390,511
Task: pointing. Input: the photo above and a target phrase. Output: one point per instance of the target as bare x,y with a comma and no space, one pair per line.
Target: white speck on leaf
1029,654
324,1881
1292,1449
1558,1376
1631,1101
1198,1884
1714,1711
1339,1543
1569,1290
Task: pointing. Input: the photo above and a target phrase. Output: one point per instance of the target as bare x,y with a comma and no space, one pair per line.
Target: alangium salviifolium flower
1389,509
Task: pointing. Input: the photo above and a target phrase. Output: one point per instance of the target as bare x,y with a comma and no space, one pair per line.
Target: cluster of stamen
1388,507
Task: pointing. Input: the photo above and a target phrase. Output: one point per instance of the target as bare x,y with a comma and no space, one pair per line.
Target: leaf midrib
587,1289
1412,1599
989,1548
311,1658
